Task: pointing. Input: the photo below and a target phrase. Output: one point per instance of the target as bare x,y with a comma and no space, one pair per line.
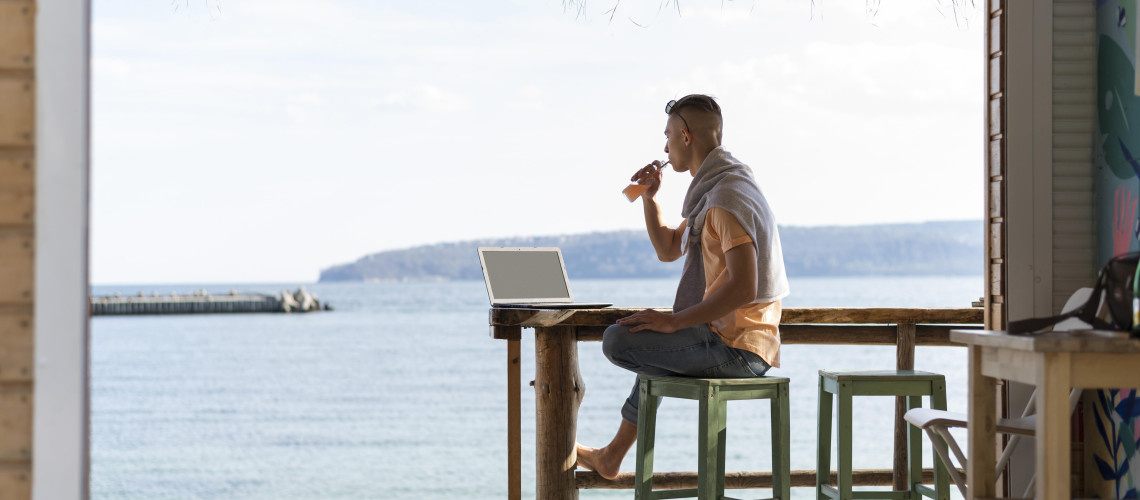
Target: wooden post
556,388
514,417
904,361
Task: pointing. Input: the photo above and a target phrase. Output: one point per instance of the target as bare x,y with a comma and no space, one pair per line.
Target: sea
400,392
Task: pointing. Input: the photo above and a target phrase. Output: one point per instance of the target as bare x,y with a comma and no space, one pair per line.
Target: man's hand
650,319
649,175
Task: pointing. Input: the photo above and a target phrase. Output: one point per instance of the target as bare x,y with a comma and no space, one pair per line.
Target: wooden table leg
981,429
1053,433
514,422
557,390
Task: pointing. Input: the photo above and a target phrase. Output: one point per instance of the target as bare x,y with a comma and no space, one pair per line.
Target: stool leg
914,450
823,443
781,446
941,475
721,408
646,428
844,425
708,441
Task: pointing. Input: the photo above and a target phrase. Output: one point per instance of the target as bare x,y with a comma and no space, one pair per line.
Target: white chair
937,423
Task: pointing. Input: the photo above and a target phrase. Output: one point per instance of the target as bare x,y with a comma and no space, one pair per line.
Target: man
726,314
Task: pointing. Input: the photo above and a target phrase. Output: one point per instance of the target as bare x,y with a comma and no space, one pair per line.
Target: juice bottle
633,191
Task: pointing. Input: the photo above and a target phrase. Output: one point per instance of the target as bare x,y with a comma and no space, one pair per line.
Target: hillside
931,248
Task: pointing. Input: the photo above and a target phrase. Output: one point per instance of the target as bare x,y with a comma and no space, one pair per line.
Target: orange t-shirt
754,327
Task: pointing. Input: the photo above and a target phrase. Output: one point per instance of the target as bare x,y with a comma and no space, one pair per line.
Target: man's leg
694,352
606,461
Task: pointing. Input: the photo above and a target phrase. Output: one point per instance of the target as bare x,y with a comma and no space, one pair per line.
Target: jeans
692,352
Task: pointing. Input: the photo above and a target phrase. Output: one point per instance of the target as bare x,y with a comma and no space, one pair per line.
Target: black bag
1114,285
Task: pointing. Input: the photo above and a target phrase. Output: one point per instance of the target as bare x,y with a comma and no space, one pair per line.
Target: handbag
1115,285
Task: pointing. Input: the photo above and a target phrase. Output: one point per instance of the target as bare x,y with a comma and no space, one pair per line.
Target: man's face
674,142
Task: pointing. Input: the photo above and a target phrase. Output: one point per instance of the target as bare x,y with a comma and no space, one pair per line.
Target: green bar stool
713,396
848,384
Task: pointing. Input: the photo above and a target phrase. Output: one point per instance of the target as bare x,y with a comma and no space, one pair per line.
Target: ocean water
400,393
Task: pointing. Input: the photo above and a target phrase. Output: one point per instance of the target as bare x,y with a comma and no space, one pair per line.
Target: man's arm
666,240
738,291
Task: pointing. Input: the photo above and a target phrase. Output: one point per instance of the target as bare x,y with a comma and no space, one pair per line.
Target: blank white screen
516,275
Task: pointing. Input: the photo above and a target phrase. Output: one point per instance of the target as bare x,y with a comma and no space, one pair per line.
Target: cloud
529,97
302,108
424,98
111,67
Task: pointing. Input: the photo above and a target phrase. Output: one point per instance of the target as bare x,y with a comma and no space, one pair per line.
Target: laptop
530,277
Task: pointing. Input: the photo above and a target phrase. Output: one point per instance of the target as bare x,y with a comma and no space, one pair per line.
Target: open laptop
532,277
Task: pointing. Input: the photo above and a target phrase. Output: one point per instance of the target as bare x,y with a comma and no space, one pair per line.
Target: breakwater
202,302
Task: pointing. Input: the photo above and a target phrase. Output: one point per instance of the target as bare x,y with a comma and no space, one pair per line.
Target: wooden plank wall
17,243
1074,115
995,167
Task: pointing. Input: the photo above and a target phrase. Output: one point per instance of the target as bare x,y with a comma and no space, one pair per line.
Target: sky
260,141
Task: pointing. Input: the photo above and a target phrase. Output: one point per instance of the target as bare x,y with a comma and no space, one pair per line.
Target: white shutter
1074,96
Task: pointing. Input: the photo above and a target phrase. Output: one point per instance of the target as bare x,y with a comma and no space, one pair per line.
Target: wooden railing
557,376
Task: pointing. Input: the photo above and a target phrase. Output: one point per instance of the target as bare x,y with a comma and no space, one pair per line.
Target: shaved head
700,115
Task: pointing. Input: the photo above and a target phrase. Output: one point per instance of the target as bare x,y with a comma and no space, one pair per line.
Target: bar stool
712,396
848,384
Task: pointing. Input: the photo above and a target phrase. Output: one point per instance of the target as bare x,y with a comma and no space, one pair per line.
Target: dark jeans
693,352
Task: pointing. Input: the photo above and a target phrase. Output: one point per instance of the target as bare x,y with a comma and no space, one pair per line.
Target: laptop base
556,305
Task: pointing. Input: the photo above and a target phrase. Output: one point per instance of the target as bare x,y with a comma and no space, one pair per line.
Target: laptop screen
525,274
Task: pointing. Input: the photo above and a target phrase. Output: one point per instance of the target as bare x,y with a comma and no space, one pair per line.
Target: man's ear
686,136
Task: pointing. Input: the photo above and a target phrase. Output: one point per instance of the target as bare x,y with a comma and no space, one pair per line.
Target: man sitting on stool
726,315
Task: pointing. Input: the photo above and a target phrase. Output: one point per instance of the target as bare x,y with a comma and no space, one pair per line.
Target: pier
205,303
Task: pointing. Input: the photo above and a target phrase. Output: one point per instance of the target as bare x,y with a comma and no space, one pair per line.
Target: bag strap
1086,312
1032,325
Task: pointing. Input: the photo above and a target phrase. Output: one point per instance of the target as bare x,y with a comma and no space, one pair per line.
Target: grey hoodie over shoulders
723,181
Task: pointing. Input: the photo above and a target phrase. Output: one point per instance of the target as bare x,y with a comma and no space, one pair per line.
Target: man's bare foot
599,460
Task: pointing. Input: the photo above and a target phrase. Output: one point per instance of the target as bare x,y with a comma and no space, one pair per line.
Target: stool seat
847,384
713,395
877,375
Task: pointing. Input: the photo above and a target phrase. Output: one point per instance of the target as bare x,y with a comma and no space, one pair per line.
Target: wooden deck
557,331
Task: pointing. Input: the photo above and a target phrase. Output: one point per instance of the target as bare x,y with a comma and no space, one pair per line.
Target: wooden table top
530,318
1099,341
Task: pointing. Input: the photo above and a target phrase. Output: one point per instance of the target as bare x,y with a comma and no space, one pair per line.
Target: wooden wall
995,167
17,243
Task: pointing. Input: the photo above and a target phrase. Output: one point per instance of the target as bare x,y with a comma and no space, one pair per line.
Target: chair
937,423
846,385
712,396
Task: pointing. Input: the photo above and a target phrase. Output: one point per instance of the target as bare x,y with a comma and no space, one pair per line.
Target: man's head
692,131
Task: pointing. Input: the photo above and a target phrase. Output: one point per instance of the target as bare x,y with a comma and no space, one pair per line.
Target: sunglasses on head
669,111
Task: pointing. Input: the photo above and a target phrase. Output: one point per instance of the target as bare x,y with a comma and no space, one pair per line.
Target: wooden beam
534,318
557,393
17,254
17,34
514,420
17,336
737,480
18,190
925,335
904,355
16,481
872,315
17,121
15,426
